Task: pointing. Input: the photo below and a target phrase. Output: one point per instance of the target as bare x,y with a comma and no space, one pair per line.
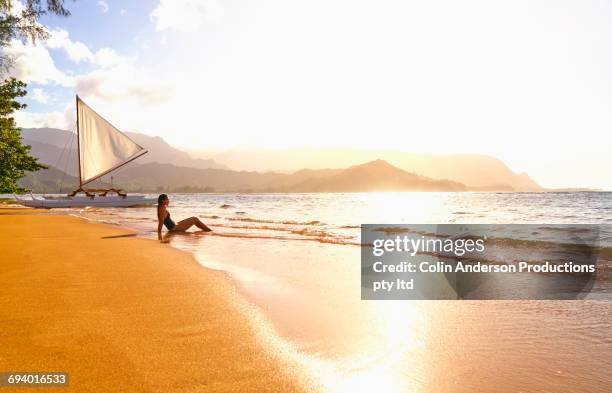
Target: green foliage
23,24
14,157
18,23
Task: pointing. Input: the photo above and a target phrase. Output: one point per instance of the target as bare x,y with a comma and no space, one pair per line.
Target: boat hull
84,201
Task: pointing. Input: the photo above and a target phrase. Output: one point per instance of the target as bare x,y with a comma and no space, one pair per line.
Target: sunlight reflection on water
294,258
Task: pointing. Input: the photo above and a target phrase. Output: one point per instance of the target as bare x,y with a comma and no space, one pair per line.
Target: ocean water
336,217
296,260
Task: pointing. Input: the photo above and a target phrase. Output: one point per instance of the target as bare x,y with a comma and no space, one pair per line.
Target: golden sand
123,314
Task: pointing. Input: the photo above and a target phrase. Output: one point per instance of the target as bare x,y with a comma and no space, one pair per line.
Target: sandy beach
270,301
120,313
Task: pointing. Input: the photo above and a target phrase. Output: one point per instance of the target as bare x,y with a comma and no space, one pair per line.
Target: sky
528,82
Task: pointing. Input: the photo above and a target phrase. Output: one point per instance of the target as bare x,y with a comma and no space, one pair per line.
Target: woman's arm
161,214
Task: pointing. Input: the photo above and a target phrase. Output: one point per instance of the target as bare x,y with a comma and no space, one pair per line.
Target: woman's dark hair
161,198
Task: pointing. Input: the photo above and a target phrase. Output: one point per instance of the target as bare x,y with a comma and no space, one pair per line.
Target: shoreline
135,314
290,293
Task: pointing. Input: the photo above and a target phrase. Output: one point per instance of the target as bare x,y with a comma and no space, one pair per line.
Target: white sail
102,147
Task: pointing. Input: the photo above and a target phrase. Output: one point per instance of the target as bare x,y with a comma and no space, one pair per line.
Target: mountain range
49,143
166,168
476,171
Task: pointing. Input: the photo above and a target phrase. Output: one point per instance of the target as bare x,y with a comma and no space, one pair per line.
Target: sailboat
102,149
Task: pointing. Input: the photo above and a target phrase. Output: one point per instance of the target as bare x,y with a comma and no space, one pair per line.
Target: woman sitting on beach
163,217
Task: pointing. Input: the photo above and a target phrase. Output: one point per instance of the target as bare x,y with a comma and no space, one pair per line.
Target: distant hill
170,169
48,144
374,176
154,177
479,172
50,180
53,181
475,170
160,151
377,175
166,177
49,136
52,155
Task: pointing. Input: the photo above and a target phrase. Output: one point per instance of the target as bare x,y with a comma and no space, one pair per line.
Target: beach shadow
120,236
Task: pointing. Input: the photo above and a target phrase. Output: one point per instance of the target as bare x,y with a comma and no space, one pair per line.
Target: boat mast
78,142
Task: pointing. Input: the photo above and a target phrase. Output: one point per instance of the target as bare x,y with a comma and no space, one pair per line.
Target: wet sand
120,313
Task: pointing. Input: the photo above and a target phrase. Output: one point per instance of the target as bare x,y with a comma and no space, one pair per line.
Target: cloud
116,84
76,51
56,119
79,52
107,57
123,12
103,6
33,63
185,15
123,83
125,93
40,96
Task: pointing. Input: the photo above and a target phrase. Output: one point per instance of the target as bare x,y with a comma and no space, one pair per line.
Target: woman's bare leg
201,225
187,223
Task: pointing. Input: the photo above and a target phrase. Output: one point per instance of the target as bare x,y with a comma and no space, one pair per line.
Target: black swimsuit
168,222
